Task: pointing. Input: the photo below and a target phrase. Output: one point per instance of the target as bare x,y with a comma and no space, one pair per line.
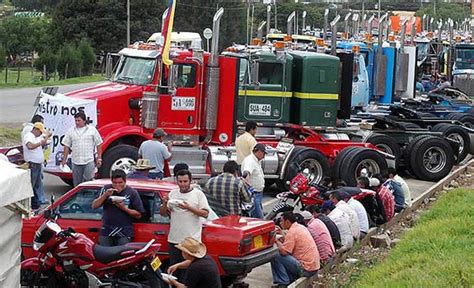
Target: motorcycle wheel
150,278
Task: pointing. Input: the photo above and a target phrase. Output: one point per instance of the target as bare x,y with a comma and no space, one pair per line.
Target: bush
48,59
3,57
88,57
70,58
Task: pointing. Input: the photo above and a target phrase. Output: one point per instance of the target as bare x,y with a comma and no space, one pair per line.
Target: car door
152,225
77,212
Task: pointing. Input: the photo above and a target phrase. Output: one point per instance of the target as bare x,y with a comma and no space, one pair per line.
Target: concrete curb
304,282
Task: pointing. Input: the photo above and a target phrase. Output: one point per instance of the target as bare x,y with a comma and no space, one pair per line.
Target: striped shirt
229,190
322,238
388,201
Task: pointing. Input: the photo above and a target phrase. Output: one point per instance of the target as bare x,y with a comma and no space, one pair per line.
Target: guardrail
417,202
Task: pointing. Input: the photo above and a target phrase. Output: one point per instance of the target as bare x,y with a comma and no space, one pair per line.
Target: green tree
87,56
456,11
3,57
69,62
48,60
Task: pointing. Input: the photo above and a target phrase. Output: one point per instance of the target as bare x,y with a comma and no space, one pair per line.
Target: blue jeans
257,212
285,269
155,175
113,241
36,173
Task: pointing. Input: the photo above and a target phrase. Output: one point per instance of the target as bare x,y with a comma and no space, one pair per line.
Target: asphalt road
17,104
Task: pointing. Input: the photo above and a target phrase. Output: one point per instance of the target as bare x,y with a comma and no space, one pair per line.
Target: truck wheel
456,133
466,119
307,158
408,148
359,159
431,158
121,156
386,144
336,167
408,125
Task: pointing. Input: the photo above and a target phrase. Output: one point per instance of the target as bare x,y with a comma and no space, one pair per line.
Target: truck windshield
464,58
138,71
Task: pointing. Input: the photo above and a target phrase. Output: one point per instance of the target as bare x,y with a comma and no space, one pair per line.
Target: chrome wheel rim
369,165
124,163
458,137
434,159
315,170
385,148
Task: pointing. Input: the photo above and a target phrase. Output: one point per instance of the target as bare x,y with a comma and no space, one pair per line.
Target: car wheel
121,156
431,158
386,144
457,133
306,158
358,160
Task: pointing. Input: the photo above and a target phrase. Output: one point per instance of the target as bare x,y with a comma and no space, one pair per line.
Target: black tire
386,144
121,156
151,278
408,125
431,158
303,157
358,159
456,133
338,162
408,148
450,116
228,280
466,119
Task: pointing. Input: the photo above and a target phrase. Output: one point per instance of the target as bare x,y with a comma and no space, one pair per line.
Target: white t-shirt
257,178
33,155
184,223
353,219
405,189
361,214
342,222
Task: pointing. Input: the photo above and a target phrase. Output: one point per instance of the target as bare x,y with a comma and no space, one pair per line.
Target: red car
237,244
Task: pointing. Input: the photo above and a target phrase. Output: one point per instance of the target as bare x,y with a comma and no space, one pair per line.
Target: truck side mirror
172,78
108,66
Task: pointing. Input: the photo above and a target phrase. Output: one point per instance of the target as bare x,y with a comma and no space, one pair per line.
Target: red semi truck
195,101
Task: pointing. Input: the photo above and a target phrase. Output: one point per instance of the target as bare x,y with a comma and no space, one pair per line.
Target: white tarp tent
15,186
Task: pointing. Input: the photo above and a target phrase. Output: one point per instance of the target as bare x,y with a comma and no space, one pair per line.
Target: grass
29,80
9,136
437,252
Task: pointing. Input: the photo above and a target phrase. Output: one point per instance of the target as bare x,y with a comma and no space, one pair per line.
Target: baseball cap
306,215
39,126
159,132
327,205
260,147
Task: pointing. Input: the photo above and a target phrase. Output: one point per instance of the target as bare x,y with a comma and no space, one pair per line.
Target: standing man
33,144
28,126
245,142
186,207
201,270
298,254
84,140
157,152
252,170
141,169
119,211
229,190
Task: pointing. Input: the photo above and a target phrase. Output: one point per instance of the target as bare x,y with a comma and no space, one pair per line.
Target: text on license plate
260,109
258,241
155,264
183,103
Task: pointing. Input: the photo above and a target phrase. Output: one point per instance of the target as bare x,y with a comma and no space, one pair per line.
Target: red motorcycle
302,193
70,259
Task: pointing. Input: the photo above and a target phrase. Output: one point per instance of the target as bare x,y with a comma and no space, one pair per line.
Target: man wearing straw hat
201,270
142,169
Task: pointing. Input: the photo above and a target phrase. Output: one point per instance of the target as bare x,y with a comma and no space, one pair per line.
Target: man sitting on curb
298,254
320,235
201,270
338,199
342,221
330,225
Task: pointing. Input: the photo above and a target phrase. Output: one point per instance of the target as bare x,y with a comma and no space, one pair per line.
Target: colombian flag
166,33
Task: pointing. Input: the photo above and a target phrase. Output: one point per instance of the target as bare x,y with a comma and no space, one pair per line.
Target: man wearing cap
84,140
245,142
337,197
157,152
201,270
321,236
33,144
253,172
142,169
341,219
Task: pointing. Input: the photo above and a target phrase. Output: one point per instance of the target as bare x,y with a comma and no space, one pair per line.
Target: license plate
260,109
258,241
284,147
183,103
155,264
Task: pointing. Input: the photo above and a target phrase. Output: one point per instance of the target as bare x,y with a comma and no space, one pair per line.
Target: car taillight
245,244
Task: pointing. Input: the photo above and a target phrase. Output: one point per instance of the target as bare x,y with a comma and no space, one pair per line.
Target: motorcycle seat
105,254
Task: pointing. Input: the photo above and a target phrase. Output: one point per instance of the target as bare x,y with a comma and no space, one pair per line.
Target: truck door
360,84
181,104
